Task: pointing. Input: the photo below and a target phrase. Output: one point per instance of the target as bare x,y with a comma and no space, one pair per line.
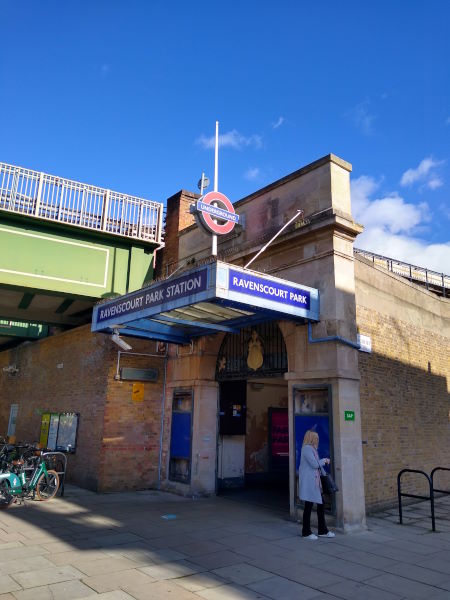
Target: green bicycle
43,483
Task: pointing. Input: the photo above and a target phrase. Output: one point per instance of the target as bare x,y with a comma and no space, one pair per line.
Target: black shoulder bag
328,484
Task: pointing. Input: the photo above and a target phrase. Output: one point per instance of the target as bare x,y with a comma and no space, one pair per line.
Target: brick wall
64,372
131,430
178,217
405,401
118,438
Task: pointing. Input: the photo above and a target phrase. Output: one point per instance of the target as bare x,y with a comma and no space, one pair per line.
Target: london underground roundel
217,213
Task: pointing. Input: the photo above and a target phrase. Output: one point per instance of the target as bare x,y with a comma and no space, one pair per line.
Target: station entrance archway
253,432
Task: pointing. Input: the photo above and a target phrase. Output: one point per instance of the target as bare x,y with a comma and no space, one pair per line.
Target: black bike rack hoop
432,479
430,497
59,455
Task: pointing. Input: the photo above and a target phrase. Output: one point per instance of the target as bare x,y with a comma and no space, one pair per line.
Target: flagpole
216,182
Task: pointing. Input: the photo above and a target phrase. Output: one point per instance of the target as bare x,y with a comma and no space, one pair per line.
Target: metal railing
431,279
60,200
430,497
55,461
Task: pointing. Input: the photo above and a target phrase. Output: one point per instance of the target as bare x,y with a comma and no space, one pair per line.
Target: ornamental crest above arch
255,351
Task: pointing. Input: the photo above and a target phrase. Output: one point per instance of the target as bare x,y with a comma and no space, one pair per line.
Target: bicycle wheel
47,485
6,499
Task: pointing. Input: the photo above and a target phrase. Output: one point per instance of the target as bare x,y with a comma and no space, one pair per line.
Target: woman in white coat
310,487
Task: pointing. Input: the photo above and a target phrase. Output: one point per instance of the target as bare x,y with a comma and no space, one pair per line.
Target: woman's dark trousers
322,526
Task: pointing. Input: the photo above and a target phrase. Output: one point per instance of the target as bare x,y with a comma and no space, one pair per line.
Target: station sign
216,213
259,295
252,284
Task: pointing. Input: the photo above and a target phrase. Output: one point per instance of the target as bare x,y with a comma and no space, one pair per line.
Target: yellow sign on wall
137,395
45,424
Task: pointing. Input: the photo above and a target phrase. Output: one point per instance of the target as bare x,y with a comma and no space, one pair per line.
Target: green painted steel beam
39,257
64,306
27,299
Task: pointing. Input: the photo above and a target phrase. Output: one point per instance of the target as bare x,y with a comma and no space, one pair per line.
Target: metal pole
399,493
433,521
274,237
216,182
202,183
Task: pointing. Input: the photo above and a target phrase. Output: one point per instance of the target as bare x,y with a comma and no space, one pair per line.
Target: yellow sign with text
137,395
45,424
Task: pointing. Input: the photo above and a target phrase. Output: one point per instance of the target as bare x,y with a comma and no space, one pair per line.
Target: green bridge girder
53,275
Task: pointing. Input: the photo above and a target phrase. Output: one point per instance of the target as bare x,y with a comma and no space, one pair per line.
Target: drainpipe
163,406
332,338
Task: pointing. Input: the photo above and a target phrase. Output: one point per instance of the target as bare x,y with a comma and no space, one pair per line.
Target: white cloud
278,122
392,226
445,209
232,139
391,212
425,172
362,118
434,183
252,173
415,251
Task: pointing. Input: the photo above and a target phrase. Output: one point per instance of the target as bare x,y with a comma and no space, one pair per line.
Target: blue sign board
276,291
321,425
215,211
180,442
169,290
218,283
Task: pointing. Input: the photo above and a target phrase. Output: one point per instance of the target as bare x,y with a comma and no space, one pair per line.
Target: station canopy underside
204,300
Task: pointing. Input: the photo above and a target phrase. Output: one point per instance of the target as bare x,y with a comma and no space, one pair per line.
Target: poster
67,432
45,423
279,433
53,431
12,420
321,425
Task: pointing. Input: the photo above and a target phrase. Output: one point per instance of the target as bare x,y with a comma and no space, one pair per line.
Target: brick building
228,408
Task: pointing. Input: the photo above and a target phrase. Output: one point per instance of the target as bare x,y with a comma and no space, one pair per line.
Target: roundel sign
216,213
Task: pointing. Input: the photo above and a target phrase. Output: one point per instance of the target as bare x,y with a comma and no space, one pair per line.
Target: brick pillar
178,217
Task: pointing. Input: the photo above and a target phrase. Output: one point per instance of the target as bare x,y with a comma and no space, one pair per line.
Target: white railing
431,279
43,196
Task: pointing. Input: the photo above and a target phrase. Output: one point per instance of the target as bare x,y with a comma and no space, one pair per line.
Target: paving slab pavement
153,545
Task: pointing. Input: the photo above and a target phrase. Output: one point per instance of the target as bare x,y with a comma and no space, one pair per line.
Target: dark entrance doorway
253,441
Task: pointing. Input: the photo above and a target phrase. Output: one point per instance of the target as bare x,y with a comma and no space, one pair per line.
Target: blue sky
125,95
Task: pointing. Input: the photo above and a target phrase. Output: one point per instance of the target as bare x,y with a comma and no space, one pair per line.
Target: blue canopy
206,299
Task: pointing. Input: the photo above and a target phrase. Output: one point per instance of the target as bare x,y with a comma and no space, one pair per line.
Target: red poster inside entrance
279,433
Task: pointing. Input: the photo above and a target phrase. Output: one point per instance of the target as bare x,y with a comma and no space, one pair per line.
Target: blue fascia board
144,303
221,283
283,305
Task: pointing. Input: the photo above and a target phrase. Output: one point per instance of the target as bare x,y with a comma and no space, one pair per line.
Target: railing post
400,513
105,210
39,194
160,224
433,523
82,208
139,229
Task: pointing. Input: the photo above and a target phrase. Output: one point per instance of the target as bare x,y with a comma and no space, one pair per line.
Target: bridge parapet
432,280
60,200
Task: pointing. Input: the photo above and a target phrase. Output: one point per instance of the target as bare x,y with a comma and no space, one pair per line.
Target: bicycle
14,484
